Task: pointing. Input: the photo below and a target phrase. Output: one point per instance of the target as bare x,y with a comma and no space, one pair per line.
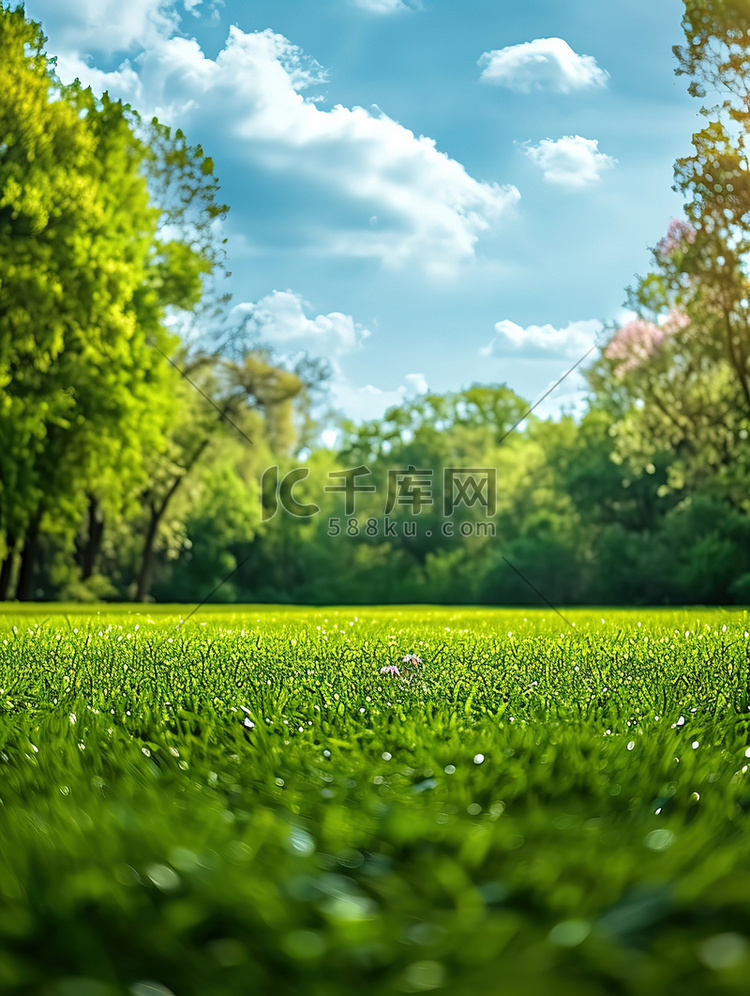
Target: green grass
540,808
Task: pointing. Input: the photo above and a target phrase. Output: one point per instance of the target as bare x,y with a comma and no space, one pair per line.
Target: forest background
149,450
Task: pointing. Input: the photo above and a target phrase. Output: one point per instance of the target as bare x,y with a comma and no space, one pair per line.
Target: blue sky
425,193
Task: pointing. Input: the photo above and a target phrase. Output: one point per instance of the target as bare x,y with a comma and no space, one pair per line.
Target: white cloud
385,6
542,64
571,161
123,82
202,8
570,397
549,350
363,403
543,341
111,26
279,320
367,187
415,384
104,25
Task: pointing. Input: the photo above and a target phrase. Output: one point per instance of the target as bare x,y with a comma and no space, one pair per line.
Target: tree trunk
6,568
143,589
28,559
735,362
92,548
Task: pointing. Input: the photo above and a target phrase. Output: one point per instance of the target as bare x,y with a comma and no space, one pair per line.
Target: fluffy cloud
414,384
571,161
542,64
105,25
279,320
543,341
363,185
372,402
387,6
549,348
123,82
571,397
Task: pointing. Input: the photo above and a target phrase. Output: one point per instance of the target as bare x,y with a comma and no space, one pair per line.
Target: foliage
87,277
682,368
131,463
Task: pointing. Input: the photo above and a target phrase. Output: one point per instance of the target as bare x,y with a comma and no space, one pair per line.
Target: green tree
87,275
677,378
218,396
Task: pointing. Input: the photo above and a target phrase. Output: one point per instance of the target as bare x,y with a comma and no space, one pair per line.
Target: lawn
244,803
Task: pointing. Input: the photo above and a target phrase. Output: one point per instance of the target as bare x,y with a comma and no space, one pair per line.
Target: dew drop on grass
304,945
723,951
659,840
478,758
421,976
569,933
163,877
149,989
301,841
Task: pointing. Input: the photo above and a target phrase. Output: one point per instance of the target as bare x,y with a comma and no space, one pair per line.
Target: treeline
138,463
110,240
571,524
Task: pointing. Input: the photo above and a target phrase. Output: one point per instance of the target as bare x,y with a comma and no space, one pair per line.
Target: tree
217,397
87,277
678,376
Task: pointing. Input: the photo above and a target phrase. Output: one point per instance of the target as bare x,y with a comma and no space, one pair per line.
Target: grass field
245,804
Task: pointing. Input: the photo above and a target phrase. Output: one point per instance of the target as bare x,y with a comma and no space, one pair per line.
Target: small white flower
390,669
